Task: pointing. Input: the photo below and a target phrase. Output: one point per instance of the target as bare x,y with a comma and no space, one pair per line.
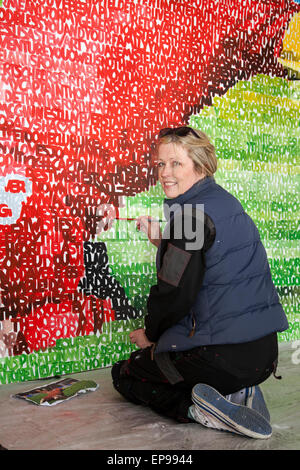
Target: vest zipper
192,332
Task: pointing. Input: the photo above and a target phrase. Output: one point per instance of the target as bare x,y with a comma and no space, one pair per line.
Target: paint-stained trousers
151,382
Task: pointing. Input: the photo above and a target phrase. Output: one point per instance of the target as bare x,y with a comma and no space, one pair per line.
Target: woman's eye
162,164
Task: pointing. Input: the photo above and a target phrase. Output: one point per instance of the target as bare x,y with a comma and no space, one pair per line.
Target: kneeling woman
210,334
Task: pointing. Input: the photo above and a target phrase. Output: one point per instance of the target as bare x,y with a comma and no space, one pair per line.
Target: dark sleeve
178,282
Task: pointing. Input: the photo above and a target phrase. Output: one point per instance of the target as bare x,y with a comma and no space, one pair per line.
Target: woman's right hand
150,227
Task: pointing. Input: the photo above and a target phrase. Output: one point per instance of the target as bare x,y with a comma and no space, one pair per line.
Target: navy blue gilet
237,301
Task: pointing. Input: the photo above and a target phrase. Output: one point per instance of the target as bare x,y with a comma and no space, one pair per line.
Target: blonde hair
199,149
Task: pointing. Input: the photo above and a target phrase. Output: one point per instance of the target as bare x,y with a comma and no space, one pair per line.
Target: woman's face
176,170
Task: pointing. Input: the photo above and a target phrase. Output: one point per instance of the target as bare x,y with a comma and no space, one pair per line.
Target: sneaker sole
239,418
256,401
204,416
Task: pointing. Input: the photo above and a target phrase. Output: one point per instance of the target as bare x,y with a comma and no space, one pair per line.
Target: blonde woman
210,334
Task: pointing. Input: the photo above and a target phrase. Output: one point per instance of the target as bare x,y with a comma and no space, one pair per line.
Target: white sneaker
207,420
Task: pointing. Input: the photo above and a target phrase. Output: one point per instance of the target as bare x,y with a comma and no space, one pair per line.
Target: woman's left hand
139,338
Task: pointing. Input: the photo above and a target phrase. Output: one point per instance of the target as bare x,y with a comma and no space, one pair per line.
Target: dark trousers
227,368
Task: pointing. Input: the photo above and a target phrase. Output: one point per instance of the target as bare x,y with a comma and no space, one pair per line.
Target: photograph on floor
57,392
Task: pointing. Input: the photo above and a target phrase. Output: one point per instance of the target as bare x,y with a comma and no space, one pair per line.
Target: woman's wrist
156,241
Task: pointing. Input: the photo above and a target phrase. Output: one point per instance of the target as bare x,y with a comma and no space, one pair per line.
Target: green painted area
72,355
131,256
255,128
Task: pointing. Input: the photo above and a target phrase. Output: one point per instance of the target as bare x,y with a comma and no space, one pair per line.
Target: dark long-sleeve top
178,280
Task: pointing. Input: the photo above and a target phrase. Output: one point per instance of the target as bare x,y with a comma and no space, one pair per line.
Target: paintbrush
132,218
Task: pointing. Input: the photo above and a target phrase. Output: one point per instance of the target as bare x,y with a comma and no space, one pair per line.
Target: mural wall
85,87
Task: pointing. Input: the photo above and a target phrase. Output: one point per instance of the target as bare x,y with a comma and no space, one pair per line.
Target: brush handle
129,218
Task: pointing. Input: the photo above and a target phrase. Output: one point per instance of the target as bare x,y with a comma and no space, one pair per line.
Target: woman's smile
169,183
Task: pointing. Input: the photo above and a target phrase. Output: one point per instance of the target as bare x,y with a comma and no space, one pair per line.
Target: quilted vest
237,301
